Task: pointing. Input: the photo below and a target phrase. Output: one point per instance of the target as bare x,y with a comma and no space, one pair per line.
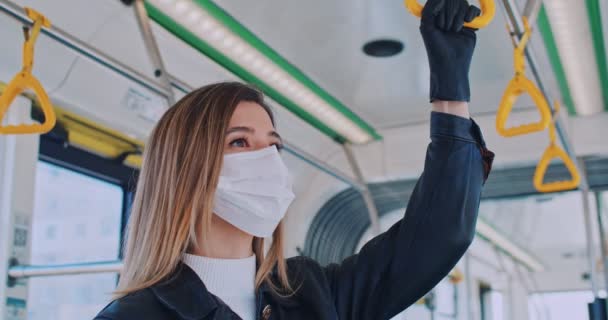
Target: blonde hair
177,182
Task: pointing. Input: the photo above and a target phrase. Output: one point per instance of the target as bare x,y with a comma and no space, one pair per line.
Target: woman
213,186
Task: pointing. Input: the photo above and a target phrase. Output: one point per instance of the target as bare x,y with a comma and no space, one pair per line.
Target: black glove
449,47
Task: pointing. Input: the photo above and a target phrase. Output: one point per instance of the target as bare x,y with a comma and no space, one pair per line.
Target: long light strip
486,231
570,26
595,9
204,25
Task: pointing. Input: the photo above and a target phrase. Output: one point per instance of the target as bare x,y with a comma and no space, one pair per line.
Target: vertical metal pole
367,195
152,47
599,207
468,282
511,294
531,10
589,237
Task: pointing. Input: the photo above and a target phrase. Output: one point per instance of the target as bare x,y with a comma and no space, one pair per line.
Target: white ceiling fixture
217,30
570,25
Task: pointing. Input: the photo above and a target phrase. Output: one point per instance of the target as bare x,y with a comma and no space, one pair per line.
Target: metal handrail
152,49
84,49
96,55
28,271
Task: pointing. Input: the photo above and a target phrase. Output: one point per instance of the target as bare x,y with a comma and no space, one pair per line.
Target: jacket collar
185,294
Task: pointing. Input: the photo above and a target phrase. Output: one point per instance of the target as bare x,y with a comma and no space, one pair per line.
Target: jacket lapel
185,294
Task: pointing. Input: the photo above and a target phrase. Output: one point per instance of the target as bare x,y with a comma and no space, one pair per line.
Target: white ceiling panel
325,39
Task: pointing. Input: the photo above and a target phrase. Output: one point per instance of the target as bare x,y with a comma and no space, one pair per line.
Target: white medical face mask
254,191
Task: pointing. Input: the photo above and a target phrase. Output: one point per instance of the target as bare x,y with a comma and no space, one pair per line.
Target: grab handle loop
553,152
25,80
488,10
519,85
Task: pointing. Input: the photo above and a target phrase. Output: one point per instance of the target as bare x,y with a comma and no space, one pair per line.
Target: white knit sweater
232,280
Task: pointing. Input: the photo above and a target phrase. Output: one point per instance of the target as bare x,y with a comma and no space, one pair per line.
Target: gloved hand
449,47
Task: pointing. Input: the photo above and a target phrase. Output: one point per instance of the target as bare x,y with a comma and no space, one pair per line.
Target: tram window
564,305
76,219
491,303
446,300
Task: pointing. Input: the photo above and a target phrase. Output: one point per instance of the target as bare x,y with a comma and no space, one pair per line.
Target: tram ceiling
338,35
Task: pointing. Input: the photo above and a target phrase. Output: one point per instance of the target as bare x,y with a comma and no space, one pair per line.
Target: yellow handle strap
488,10
518,86
31,37
25,80
552,152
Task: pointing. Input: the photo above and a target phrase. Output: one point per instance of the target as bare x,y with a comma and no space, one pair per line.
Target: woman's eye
239,143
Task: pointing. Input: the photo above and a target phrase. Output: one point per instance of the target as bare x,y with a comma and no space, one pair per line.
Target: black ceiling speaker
127,2
383,48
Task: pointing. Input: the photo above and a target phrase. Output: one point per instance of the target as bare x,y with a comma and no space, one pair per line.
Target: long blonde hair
177,182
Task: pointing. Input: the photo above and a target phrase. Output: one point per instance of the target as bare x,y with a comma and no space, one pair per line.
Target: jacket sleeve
398,267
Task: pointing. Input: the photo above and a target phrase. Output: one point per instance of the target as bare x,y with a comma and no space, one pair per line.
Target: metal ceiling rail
179,84
515,20
84,49
23,271
152,48
18,13
323,166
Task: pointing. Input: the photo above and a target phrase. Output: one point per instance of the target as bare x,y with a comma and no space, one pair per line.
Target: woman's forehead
251,114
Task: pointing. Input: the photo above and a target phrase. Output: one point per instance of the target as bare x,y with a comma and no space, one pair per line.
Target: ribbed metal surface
339,225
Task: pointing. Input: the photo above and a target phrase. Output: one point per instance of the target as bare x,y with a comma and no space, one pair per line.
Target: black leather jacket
389,274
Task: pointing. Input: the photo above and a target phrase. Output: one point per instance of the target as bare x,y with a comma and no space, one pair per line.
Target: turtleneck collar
224,277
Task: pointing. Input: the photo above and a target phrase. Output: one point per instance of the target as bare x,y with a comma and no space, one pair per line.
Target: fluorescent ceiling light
487,232
570,26
205,26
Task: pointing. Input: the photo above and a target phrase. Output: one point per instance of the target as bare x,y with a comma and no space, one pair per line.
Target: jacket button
266,312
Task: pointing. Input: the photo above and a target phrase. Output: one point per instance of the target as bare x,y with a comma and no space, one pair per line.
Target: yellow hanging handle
25,80
488,10
517,86
552,152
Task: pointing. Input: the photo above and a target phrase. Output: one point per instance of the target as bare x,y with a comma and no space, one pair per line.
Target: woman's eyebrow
276,135
240,129
251,130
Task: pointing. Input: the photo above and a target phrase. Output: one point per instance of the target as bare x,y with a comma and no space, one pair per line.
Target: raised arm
398,267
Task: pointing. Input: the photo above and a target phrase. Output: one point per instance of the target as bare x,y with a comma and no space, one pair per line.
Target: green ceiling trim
184,34
558,69
203,47
595,22
248,36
